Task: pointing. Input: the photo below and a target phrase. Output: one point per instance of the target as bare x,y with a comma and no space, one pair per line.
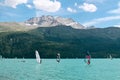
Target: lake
67,69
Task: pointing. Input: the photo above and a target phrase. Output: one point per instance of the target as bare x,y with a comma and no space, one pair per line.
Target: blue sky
98,13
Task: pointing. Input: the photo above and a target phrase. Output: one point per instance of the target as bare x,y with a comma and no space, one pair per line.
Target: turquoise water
67,69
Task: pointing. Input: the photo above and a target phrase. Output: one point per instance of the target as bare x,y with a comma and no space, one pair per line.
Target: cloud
117,25
115,11
47,5
88,7
71,10
13,3
100,20
29,6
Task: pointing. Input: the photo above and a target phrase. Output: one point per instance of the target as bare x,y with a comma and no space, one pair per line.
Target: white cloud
88,7
71,10
14,3
115,11
100,20
47,5
29,6
117,25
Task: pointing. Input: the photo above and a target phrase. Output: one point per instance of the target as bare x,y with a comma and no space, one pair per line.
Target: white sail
37,56
110,57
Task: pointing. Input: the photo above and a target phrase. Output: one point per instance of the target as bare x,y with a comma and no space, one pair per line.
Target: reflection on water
67,69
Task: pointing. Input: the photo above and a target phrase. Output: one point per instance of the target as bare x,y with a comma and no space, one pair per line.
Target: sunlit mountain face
47,21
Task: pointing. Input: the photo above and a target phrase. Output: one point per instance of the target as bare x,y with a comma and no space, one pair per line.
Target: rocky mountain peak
48,21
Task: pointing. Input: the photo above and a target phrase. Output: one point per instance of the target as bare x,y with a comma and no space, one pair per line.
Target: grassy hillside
14,26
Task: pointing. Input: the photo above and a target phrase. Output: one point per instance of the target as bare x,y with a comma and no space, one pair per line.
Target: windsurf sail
37,56
110,57
58,57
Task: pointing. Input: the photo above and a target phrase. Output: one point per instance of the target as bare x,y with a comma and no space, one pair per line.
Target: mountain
50,35
70,42
48,21
67,33
35,22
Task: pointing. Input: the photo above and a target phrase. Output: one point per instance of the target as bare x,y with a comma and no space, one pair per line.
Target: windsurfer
58,57
88,57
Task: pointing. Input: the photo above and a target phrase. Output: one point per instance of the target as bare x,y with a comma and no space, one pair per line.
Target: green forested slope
71,43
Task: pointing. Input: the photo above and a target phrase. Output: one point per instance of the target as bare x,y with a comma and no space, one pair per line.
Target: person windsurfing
58,57
88,57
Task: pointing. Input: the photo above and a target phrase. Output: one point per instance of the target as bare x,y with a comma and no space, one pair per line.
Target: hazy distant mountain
48,21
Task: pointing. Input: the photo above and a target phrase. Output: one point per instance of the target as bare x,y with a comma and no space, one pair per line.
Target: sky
98,13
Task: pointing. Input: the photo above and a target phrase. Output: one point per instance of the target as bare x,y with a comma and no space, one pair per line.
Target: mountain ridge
47,21
70,42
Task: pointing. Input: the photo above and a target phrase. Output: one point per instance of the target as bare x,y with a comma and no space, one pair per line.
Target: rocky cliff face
48,21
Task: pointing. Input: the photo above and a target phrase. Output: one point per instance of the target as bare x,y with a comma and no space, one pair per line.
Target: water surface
67,69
